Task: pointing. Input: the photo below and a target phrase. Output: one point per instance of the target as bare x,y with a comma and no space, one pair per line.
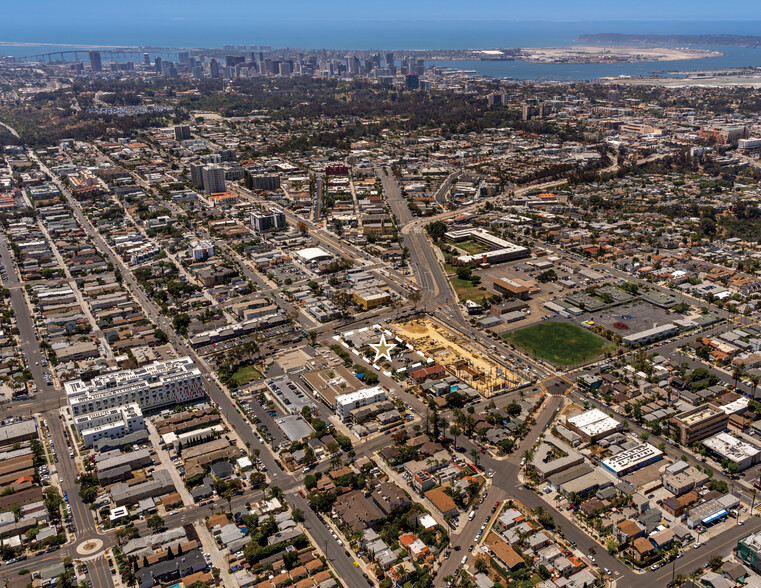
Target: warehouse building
593,425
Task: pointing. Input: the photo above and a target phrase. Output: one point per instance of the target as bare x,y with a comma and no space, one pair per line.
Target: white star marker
382,349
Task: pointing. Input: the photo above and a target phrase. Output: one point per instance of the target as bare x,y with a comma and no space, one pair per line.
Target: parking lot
627,319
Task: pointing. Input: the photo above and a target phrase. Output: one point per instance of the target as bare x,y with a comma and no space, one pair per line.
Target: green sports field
559,343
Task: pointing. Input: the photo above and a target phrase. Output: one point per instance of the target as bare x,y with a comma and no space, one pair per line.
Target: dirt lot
447,348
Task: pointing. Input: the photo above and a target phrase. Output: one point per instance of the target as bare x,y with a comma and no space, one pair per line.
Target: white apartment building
152,386
345,403
113,423
201,250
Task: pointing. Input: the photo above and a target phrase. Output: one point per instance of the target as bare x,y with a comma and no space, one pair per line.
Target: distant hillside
705,40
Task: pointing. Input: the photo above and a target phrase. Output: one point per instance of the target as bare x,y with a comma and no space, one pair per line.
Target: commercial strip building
348,402
153,386
632,459
553,456
650,335
593,425
726,446
698,423
711,511
499,249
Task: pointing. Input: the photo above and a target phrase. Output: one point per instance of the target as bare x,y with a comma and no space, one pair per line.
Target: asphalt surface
344,565
47,402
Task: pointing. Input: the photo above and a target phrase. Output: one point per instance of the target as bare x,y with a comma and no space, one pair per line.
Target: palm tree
737,373
455,430
476,455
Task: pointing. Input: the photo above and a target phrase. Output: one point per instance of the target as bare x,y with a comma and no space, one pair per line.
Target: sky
344,23
137,11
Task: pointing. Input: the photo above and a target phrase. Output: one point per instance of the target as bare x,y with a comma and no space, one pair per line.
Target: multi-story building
749,550
113,423
213,179
181,132
698,423
201,250
345,403
153,386
96,65
266,182
267,221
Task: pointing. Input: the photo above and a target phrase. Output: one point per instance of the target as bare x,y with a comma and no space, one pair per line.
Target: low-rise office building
593,425
698,423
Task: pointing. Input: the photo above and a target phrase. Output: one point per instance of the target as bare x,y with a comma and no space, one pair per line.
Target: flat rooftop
731,447
703,414
593,422
632,457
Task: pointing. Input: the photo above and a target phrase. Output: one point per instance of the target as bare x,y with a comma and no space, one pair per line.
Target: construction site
457,356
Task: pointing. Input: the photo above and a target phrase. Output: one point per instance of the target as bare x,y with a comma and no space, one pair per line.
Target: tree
154,522
88,494
644,435
180,323
436,230
298,515
369,377
455,431
257,480
715,562
302,227
481,565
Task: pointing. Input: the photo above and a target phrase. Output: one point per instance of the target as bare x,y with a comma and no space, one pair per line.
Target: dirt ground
447,348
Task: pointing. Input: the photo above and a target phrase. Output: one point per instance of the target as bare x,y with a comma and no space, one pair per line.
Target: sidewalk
166,461
217,558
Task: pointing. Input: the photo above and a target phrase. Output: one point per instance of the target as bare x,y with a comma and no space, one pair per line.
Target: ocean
398,35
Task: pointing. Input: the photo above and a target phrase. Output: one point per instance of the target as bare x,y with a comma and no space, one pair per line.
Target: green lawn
467,291
472,247
246,374
560,343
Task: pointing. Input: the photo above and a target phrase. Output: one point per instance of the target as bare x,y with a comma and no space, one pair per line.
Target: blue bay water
396,35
